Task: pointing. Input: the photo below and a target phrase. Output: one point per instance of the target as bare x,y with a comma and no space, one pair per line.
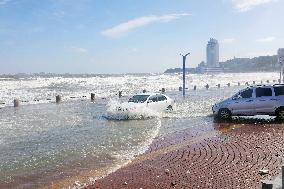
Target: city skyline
125,37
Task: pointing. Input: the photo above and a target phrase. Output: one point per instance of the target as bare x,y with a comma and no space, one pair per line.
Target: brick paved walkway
230,157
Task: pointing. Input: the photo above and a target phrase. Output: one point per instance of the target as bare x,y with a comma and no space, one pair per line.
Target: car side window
247,93
263,92
161,98
279,90
153,98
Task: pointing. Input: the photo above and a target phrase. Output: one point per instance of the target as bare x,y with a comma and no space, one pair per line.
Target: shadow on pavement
250,120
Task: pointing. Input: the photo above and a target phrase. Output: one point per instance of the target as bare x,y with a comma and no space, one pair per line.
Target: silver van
254,100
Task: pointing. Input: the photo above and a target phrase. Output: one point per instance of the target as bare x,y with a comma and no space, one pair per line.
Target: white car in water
154,101
254,100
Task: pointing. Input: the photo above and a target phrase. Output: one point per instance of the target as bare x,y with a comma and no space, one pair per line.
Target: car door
243,103
278,98
162,102
264,103
153,102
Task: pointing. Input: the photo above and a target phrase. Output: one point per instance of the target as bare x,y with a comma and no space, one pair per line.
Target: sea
66,144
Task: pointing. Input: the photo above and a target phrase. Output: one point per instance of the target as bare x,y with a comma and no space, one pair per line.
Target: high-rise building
212,53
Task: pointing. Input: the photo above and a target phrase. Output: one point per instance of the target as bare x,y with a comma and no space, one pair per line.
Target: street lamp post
281,72
281,62
281,69
183,73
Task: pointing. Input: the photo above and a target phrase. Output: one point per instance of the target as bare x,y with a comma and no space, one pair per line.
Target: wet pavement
230,156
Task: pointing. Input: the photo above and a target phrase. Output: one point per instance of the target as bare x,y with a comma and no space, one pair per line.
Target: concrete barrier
16,103
93,97
207,86
58,98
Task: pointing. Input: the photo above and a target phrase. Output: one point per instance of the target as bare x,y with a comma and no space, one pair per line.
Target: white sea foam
39,89
128,111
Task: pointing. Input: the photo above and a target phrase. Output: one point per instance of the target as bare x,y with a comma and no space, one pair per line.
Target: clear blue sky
122,36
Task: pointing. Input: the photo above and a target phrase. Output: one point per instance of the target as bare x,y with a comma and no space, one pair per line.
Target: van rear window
279,90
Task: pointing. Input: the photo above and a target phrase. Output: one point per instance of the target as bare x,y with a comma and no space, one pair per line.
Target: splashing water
128,111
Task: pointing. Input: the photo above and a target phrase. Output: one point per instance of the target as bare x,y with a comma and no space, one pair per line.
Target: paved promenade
230,156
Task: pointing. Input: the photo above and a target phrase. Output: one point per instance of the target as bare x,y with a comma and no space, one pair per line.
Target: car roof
272,85
150,94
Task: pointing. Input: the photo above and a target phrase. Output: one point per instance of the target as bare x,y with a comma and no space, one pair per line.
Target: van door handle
262,100
249,100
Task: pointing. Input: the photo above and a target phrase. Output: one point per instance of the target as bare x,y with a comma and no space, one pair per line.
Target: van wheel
280,113
170,108
224,114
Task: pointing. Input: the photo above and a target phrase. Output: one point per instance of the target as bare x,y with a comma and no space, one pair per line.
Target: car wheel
280,113
224,114
170,108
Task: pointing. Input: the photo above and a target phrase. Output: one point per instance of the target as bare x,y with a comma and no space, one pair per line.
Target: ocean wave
39,89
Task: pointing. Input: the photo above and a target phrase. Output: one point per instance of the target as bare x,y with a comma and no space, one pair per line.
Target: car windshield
138,98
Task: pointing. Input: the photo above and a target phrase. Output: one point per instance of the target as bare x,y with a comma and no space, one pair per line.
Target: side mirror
149,101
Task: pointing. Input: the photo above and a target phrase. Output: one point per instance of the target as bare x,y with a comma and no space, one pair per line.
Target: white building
212,53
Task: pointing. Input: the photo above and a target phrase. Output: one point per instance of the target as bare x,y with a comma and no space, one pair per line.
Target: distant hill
178,70
257,64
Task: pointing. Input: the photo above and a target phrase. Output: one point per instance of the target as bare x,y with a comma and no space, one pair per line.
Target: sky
132,36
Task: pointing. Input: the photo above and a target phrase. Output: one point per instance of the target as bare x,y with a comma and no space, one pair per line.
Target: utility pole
183,73
281,62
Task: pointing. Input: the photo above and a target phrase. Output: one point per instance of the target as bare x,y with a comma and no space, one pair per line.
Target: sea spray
128,111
